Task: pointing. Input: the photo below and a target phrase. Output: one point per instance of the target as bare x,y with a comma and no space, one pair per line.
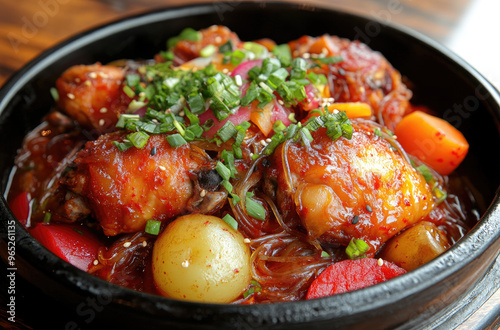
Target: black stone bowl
442,293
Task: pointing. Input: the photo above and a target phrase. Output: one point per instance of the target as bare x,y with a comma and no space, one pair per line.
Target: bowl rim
403,286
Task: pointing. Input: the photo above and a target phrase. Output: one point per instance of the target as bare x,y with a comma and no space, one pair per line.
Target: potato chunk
201,258
415,246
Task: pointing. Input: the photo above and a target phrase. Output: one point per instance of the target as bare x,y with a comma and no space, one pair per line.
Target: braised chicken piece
362,75
92,95
125,189
359,188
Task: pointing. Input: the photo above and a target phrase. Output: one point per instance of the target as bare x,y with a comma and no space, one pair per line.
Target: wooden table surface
468,27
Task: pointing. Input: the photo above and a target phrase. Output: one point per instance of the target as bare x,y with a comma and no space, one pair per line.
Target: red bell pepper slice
74,243
20,206
350,275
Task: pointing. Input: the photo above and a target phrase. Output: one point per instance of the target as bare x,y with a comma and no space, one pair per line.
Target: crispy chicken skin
125,189
363,75
343,189
92,95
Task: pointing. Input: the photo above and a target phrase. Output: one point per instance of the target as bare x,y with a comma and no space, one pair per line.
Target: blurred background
468,27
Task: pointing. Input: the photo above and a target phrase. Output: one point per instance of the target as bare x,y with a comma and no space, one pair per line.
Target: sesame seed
324,50
246,240
144,243
263,142
103,110
182,114
395,137
225,70
87,83
103,75
96,262
268,140
203,193
251,154
281,102
355,219
335,111
92,75
70,96
163,168
369,208
101,122
154,120
142,94
380,262
185,263
306,55
361,89
127,244
77,80
153,151
218,39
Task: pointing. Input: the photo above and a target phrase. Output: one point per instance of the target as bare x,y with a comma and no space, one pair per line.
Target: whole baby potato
201,258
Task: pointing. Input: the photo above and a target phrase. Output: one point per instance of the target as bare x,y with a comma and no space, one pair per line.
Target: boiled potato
201,258
415,246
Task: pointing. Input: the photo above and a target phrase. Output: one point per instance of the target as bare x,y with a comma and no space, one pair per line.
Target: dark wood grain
29,27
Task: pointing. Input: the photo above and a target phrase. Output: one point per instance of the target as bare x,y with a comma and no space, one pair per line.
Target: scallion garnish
325,254
208,51
54,93
357,249
186,34
231,221
426,172
254,209
223,171
46,217
138,139
227,131
153,227
175,140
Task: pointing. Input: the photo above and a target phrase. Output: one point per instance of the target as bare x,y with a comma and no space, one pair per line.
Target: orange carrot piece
432,140
352,110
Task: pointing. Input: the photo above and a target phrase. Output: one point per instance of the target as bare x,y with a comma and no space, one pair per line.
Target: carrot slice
352,110
432,140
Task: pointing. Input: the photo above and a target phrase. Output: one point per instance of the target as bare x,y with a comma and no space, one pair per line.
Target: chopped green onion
127,90
186,34
138,139
228,158
122,146
196,104
426,172
227,131
325,254
125,118
208,51
46,217
259,50
135,105
231,221
227,47
254,209
153,227
176,140
78,231
377,132
357,249
54,93
133,80
278,126
441,195
223,171
329,60
283,53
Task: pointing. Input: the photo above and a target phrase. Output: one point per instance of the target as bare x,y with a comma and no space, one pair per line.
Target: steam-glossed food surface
230,171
